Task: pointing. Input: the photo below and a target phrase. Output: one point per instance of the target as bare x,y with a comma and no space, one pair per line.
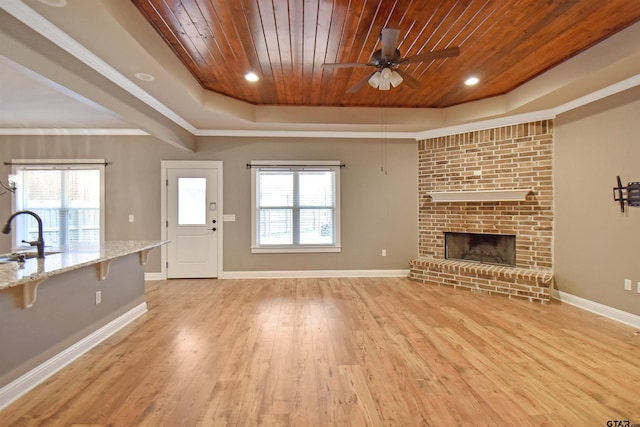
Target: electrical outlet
639,287
131,217
384,252
627,284
98,297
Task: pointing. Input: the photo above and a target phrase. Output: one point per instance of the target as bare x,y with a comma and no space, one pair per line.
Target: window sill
295,250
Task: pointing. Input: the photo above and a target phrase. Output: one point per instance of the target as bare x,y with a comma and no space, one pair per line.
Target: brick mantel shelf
481,195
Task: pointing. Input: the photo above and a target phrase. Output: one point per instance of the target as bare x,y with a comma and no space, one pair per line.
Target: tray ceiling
72,65
503,43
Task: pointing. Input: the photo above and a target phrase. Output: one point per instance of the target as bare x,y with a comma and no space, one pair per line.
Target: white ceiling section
73,68
37,102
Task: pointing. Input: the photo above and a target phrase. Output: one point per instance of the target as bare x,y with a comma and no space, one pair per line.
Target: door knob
213,229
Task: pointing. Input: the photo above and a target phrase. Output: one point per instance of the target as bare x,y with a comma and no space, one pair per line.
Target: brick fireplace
496,249
482,171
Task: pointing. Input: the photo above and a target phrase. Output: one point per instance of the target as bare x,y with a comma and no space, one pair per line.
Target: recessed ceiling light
144,77
471,81
252,77
54,3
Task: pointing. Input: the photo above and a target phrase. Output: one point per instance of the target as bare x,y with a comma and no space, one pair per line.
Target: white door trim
188,164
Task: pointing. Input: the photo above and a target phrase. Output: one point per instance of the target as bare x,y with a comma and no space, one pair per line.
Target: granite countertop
68,258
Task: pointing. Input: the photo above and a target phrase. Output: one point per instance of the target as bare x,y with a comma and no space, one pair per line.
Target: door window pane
192,201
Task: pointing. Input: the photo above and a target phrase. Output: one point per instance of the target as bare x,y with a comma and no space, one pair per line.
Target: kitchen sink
18,256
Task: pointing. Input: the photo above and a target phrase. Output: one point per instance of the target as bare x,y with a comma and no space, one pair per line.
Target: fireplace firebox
499,249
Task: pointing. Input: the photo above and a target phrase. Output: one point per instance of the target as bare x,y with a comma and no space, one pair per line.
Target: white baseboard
152,276
37,375
312,274
597,308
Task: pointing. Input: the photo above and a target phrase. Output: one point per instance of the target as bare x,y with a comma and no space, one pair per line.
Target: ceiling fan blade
346,65
388,40
430,56
410,81
361,83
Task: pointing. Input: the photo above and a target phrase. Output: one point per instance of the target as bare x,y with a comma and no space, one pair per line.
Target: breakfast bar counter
54,309
34,271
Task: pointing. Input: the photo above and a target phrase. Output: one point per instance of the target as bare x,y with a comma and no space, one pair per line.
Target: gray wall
596,246
64,312
379,210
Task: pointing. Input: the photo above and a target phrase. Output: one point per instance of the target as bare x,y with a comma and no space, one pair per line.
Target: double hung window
295,206
68,196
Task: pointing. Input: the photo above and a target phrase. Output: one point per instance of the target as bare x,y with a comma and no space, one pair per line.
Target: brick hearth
510,157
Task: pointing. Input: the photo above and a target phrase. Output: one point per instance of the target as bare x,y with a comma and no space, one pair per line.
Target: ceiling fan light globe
396,79
385,85
375,80
386,74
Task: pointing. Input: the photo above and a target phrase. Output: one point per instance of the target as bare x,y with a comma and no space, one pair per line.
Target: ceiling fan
387,59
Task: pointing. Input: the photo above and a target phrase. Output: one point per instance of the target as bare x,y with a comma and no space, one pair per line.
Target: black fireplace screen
497,249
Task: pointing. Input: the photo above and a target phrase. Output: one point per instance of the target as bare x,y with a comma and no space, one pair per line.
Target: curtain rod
56,164
249,166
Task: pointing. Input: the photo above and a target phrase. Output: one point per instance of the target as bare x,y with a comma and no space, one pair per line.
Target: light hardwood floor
350,352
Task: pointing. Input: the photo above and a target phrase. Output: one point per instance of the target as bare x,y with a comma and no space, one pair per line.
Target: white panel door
192,223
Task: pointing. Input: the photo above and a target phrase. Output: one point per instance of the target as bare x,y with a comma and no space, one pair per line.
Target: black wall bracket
632,196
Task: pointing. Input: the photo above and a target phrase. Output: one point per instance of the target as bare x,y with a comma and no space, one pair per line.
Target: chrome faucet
38,243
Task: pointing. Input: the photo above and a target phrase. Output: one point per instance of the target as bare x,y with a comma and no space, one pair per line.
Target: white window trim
255,248
99,164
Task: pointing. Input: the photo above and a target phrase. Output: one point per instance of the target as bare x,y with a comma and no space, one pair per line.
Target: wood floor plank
352,351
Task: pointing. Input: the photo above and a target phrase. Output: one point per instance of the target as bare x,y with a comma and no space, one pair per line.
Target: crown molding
71,131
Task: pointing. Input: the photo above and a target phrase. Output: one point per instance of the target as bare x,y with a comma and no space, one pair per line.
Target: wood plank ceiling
504,43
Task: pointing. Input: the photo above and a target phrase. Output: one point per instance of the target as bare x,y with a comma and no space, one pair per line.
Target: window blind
296,207
67,198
